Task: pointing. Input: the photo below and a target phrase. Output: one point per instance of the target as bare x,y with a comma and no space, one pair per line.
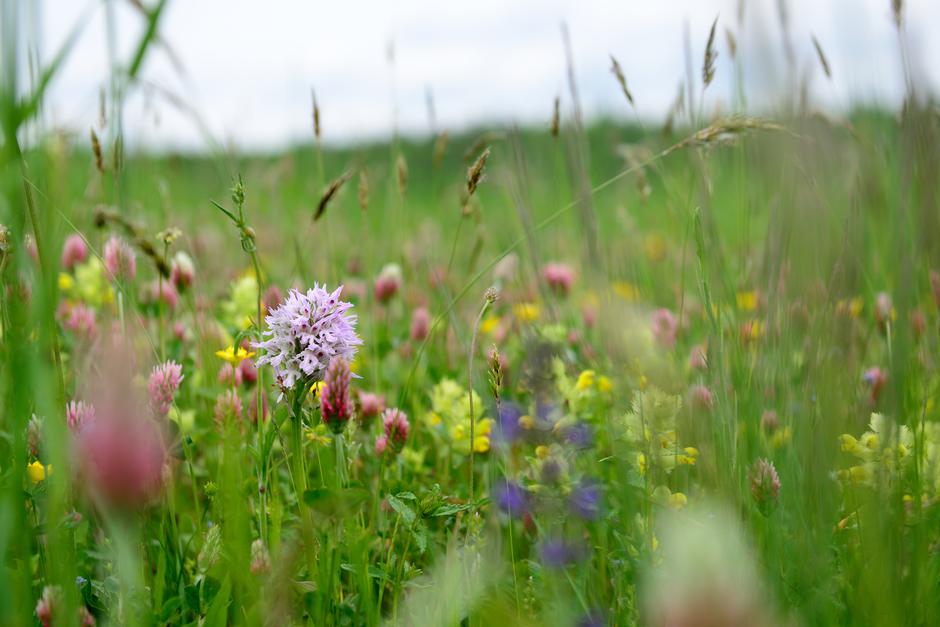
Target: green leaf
153,18
218,609
451,509
407,514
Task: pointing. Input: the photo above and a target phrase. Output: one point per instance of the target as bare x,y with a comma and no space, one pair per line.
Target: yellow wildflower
542,451
604,384
585,380
627,291
655,247
526,312
489,324
747,301
641,463
233,356
526,421
781,437
37,472
66,282
678,500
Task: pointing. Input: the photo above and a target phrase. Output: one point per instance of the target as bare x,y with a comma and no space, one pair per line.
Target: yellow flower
585,380
604,384
781,437
481,444
747,301
690,457
677,500
644,382
627,291
541,451
233,356
37,472
66,282
315,389
489,324
655,247
526,312
526,421
641,463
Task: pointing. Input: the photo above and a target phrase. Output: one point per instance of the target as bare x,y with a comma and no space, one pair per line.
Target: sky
247,67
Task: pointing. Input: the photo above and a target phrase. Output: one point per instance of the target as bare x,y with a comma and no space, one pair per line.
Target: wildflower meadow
584,372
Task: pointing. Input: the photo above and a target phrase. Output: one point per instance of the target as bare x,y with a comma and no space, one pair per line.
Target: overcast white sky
249,65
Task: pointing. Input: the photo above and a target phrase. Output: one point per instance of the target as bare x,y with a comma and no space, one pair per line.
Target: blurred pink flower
78,415
161,291
370,405
120,259
388,283
559,277
381,445
700,397
74,251
80,319
182,271
665,326
698,357
122,457
246,372
420,324
228,406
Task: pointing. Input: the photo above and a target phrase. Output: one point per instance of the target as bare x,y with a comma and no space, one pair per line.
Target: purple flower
594,618
585,499
507,422
511,498
558,553
580,436
305,332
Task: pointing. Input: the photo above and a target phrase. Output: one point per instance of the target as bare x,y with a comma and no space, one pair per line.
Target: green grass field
703,365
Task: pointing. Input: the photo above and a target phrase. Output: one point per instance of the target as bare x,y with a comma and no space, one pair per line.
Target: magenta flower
396,427
305,332
79,414
388,283
664,326
163,384
420,324
335,407
74,251
559,277
120,259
